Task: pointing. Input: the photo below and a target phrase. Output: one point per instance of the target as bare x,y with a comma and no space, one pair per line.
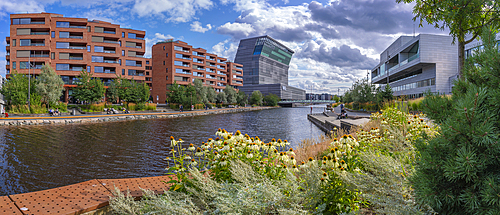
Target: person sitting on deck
51,112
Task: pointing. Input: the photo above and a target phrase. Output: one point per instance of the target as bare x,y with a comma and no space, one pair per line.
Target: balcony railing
37,23
39,55
7,45
141,56
237,78
75,58
110,61
410,59
37,44
112,52
76,26
109,32
109,41
76,69
220,73
77,47
183,72
76,37
39,33
239,73
186,58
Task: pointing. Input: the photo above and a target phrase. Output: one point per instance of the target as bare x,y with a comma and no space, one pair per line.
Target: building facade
413,65
70,45
2,102
265,64
180,62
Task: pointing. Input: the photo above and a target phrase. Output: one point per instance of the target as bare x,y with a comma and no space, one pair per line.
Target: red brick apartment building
70,45
180,62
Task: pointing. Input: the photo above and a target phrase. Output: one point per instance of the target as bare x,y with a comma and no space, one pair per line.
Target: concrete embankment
327,123
17,121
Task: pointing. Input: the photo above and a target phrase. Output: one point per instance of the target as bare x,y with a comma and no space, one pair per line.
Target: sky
336,42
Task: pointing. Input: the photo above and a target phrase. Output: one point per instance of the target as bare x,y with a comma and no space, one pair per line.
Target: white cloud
237,30
196,26
171,10
152,41
225,49
31,6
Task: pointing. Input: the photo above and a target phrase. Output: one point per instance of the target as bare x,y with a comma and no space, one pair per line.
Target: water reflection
40,157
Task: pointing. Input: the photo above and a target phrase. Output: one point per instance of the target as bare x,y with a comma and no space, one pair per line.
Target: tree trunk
461,58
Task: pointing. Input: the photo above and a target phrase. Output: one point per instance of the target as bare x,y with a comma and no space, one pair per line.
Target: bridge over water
291,103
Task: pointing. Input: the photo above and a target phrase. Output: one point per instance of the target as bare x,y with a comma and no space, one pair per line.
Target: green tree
221,97
211,95
189,98
176,93
231,95
384,94
242,98
88,89
459,170
462,17
201,92
336,98
256,98
271,100
49,86
15,89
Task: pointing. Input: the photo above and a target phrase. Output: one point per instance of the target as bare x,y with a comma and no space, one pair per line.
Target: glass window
98,49
98,69
178,55
88,68
52,55
62,24
98,59
164,63
88,48
130,63
15,21
120,43
23,65
25,21
166,54
120,61
163,47
62,45
166,69
131,72
131,35
53,34
62,66
89,29
63,34
123,36
24,42
178,63
14,65
147,62
13,42
123,70
123,52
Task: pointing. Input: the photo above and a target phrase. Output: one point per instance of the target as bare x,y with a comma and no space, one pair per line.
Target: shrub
131,106
150,106
457,172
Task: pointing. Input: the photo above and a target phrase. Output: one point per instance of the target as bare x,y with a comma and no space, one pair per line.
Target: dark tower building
265,67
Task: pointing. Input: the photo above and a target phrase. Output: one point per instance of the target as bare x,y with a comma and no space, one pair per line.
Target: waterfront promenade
327,121
96,118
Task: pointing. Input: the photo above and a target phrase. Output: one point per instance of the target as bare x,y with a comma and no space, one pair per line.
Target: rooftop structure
413,65
70,45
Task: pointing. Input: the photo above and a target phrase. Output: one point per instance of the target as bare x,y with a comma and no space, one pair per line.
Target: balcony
109,52
39,33
220,73
110,61
109,32
77,47
37,44
77,26
76,37
183,72
75,58
109,41
39,55
37,23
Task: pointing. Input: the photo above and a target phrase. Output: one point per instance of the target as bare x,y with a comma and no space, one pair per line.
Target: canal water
35,158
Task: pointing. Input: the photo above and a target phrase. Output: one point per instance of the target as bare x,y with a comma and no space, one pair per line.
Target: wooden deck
78,198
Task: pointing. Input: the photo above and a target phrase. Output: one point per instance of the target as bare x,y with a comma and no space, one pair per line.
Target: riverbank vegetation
44,92
365,96
234,173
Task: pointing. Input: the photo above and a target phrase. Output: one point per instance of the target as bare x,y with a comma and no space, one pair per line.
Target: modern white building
413,65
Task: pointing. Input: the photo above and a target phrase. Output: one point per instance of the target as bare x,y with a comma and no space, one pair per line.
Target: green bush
457,172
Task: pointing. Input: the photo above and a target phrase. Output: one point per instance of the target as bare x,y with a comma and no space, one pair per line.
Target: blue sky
335,41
